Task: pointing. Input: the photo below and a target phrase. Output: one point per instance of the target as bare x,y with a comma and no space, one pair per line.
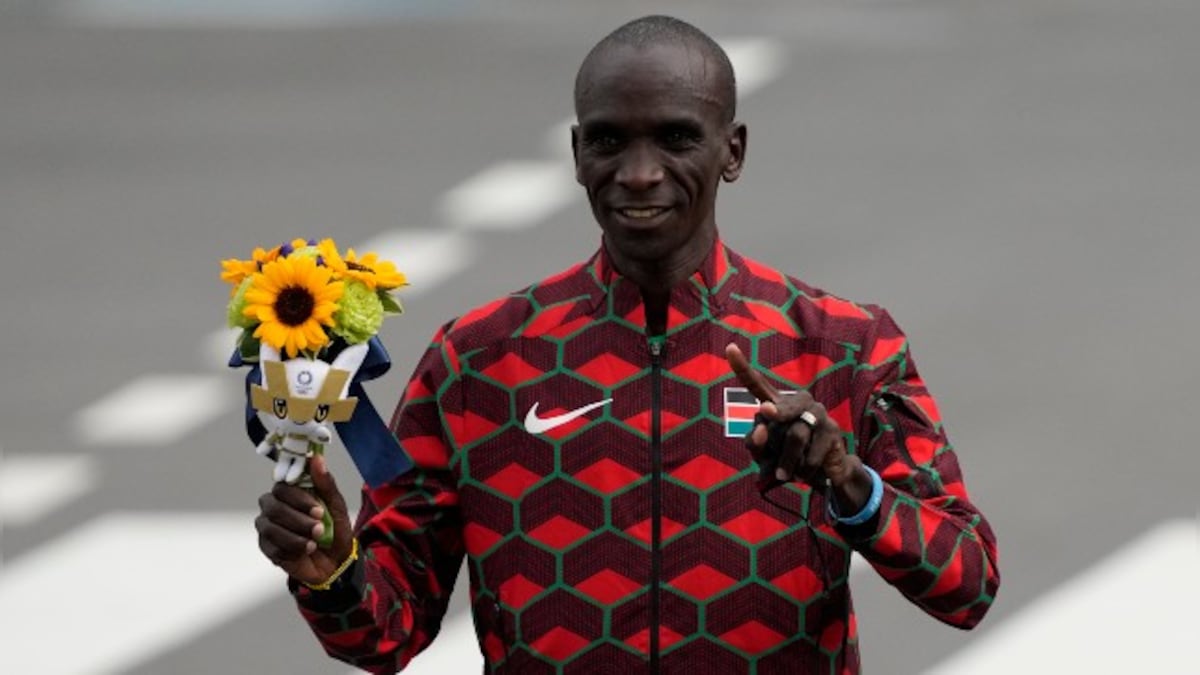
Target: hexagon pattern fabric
637,534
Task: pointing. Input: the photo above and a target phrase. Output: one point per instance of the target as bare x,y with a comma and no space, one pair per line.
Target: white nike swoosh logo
539,425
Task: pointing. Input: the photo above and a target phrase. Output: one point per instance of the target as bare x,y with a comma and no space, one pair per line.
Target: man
584,441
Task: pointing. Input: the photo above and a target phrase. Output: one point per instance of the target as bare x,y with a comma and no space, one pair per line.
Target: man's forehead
668,71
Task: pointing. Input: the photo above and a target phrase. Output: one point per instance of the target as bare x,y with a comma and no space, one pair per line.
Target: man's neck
657,278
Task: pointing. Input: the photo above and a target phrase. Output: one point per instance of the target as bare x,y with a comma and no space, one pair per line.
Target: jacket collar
704,293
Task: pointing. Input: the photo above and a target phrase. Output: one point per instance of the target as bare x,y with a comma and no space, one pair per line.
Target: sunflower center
294,305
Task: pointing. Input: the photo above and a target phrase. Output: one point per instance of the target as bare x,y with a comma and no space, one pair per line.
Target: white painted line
558,142
31,486
219,346
756,61
510,196
156,409
1133,612
127,587
426,257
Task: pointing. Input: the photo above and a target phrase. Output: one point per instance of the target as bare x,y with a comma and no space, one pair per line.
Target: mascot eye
322,412
280,408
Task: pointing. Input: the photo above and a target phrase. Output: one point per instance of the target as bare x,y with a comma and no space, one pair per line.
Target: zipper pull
657,348
883,403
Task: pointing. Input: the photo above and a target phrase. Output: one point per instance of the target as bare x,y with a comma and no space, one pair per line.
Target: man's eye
678,139
604,142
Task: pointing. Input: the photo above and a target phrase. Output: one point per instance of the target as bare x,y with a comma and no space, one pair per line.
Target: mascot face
296,400
301,394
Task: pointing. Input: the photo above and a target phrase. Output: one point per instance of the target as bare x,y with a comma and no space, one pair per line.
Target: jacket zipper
657,349
901,440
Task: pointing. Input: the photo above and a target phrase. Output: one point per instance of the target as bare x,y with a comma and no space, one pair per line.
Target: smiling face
652,144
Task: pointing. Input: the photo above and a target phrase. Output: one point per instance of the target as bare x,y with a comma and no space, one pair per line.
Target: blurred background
1017,182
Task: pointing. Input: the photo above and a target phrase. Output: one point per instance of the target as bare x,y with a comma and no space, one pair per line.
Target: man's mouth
642,213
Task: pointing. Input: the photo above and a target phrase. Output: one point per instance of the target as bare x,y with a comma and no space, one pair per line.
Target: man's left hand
812,448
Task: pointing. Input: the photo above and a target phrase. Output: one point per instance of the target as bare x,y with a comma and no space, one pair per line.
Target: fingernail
310,547
317,512
318,530
780,474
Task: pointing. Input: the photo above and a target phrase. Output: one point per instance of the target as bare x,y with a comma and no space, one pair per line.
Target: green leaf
248,346
390,305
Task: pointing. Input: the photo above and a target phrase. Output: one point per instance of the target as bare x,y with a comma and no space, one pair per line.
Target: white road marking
510,196
756,61
31,486
127,587
156,409
218,346
426,257
1133,612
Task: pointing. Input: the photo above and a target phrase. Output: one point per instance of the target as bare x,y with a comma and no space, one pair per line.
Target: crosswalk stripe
127,587
155,409
1133,612
756,61
218,346
31,486
509,195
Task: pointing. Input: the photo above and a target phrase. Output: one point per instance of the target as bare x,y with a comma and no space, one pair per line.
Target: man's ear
737,152
575,151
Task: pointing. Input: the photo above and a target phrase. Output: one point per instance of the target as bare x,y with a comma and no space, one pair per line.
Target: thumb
326,488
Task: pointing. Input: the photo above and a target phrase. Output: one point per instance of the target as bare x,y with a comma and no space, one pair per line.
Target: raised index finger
749,377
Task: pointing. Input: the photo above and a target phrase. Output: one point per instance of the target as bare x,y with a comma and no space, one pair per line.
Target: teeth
641,213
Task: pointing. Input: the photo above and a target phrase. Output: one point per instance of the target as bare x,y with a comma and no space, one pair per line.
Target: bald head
651,31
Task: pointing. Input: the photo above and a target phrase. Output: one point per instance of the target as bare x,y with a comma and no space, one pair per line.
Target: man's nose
640,168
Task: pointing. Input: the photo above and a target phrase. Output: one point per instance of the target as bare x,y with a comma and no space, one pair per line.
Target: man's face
650,148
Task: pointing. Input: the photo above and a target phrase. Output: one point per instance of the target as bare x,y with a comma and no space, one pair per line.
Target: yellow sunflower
234,271
293,298
375,273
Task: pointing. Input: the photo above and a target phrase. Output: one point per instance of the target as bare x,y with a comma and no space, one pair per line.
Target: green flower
359,314
235,316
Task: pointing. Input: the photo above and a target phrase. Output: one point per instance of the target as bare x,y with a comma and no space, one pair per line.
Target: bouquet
309,316
299,297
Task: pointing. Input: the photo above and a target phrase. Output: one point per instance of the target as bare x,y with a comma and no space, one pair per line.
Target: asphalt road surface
1017,182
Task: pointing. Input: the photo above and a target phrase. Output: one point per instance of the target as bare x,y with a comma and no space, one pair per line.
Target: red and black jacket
637,537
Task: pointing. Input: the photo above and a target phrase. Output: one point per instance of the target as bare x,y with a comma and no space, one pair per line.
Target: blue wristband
868,510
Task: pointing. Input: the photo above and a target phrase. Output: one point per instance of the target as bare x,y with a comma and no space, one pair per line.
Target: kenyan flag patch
740,407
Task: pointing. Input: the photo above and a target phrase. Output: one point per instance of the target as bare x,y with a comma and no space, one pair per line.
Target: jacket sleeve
391,603
928,540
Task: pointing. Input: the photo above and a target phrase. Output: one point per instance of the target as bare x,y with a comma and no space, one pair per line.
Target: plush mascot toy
296,401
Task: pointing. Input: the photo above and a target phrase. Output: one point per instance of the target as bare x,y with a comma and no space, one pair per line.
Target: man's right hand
290,523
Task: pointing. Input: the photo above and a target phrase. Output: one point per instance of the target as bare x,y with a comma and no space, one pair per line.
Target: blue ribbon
373,447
